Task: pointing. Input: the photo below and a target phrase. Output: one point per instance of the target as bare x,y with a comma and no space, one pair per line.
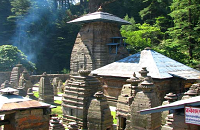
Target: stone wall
36,78
29,119
4,76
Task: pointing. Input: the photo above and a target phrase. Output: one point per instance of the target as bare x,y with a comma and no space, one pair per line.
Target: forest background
39,30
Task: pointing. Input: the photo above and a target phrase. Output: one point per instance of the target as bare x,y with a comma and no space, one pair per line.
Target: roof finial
100,9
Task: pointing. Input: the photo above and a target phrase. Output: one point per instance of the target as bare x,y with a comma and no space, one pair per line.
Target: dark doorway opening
122,123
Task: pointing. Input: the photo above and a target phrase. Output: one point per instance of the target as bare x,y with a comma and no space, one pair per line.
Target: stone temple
98,43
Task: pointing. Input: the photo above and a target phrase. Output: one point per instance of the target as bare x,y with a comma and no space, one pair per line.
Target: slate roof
99,16
11,101
158,65
194,101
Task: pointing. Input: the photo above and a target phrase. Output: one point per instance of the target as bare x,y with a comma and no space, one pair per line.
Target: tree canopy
10,56
39,29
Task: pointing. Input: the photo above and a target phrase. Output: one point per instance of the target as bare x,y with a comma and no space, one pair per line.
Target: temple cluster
104,79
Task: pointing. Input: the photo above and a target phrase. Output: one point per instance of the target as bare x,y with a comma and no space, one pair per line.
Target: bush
10,56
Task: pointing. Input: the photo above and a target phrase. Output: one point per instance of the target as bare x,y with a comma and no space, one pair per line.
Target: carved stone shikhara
91,49
77,96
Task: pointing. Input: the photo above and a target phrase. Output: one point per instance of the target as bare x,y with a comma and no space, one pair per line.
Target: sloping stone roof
11,101
99,17
158,65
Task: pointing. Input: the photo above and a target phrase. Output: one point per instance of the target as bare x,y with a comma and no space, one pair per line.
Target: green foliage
58,109
36,94
154,9
141,36
10,56
65,71
20,7
168,26
113,113
185,32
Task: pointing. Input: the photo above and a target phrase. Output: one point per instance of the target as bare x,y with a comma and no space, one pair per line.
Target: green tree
5,26
141,36
154,9
185,32
10,56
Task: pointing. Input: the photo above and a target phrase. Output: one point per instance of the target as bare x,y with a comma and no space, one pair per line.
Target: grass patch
36,94
113,113
58,109
60,93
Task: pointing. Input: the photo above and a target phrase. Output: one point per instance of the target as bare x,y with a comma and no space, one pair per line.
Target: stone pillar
15,75
46,90
60,86
55,85
77,96
124,101
24,83
99,114
146,98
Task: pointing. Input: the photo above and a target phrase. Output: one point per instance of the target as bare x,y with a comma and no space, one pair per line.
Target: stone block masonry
33,119
77,96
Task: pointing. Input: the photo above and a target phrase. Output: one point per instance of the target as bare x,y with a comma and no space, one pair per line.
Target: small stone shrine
125,100
22,113
77,96
46,90
183,113
98,43
145,98
15,75
99,114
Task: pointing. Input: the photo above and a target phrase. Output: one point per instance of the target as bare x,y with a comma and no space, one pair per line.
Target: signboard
192,115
